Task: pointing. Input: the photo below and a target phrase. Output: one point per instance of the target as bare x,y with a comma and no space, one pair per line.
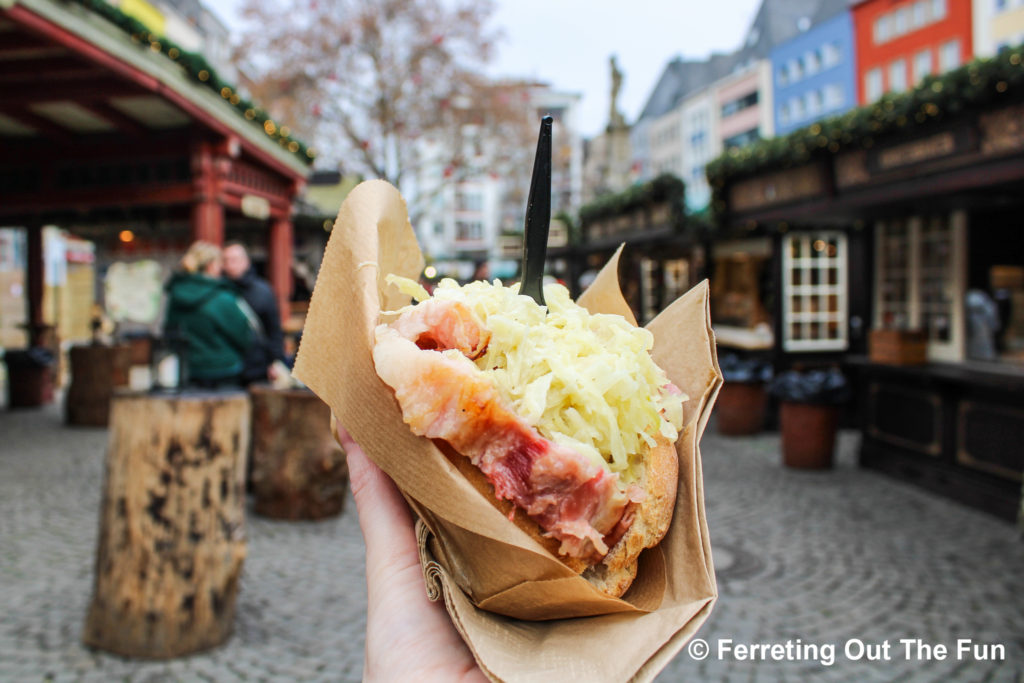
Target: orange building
899,42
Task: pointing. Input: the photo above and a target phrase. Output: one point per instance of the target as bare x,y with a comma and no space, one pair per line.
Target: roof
682,77
115,76
829,9
776,21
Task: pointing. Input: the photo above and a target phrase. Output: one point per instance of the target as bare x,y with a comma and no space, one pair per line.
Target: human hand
408,638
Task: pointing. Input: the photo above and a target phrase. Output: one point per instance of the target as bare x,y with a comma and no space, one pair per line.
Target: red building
899,42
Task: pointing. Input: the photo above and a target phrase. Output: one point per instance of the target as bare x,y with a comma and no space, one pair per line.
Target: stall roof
68,73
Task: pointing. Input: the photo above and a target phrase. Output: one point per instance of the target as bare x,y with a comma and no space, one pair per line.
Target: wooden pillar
35,268
207,212
171,542
279,262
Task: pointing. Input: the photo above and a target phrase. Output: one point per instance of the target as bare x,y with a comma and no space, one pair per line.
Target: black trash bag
750,370
34,357
826,387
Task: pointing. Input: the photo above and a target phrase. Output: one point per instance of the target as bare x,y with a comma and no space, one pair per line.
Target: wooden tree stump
298,469
95,372
171,541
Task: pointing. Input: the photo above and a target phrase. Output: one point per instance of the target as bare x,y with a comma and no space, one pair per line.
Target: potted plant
740,408
809,415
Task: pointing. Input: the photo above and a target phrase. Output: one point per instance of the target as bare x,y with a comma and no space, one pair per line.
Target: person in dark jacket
269,346
206,311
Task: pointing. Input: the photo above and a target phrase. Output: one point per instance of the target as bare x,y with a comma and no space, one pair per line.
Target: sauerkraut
586,381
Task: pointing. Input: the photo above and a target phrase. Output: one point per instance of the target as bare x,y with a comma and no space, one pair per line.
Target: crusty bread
616,571
659,480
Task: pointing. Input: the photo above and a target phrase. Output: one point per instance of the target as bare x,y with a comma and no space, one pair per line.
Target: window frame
868,78
840,289
898,67
953,350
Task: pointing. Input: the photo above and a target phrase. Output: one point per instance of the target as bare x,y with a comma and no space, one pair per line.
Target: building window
814,102
797,105
938,10
898,75
922,65
834,98
812,63
949,56
919,279
830,55
438,228
873,88
784,114
814,292
919,14
739,104
469,201
881,29
743,139
469,231
783,75
795,70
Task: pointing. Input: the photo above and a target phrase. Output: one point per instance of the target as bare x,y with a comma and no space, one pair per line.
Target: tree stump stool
95,372
171,541
298,469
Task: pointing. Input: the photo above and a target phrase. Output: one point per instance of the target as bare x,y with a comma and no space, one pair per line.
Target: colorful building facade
899,42
814,73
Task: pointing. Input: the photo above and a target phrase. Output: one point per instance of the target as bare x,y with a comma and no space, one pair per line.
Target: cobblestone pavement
819,558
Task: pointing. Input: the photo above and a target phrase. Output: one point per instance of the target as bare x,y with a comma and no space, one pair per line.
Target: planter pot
740,408
808,434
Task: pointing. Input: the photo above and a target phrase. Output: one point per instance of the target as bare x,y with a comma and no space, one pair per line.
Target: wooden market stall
129,140
664,250
896,249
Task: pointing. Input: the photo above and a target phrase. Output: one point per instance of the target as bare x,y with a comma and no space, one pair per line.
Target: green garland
665,187
979,84
196,66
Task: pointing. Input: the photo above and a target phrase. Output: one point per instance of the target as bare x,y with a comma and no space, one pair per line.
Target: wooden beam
46,127
128,125
92,198
208,212
279,263
34,272
87,90
40,68
16,43
61,36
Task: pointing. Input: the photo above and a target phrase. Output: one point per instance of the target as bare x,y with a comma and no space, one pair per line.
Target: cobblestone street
823,557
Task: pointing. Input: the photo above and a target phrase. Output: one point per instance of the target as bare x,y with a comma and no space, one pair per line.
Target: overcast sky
567,43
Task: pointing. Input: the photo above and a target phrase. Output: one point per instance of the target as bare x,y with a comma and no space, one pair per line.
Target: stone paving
847,558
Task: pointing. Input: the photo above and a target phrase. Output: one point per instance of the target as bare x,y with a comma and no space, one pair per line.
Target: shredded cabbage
586,381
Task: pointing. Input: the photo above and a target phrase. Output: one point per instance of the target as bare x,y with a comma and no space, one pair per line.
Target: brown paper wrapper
522,612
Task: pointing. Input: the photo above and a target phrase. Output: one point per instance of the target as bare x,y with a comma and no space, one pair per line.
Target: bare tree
371,81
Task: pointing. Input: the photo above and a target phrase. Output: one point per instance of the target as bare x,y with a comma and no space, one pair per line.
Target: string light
126,236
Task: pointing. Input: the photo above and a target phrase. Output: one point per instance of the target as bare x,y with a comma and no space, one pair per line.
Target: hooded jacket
268,346
217,329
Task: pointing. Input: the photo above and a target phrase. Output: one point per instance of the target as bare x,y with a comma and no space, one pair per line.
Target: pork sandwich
559,417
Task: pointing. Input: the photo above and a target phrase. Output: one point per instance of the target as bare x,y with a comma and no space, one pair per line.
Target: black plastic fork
538,218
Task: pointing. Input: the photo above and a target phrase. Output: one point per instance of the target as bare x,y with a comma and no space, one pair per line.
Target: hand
408,638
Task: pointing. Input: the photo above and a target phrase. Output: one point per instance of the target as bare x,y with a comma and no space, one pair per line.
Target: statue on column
615,118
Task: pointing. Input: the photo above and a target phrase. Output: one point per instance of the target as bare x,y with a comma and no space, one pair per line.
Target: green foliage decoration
978,85
196,66
665,187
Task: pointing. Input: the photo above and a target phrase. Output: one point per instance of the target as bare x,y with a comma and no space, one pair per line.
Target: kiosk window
814,302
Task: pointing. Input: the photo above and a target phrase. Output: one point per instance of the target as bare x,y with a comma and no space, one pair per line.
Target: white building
701,144
462,219
996,24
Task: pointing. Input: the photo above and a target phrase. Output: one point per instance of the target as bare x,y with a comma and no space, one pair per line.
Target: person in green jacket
215,323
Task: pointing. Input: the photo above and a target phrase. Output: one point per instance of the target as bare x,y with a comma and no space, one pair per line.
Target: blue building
814,73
